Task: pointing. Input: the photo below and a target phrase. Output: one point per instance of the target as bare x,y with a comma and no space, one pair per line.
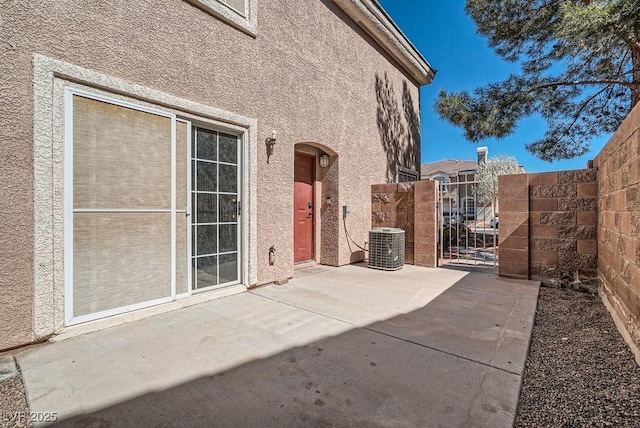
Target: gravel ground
579,372
13,404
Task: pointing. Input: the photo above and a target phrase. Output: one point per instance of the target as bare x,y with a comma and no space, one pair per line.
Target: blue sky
447,38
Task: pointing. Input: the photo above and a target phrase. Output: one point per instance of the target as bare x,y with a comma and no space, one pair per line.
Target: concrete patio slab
361,296
89,372
345,346
357,379
483,318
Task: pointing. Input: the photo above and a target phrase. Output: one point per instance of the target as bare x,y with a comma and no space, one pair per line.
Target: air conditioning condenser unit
386,248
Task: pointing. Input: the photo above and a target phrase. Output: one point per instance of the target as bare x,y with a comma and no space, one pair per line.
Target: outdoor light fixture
270,141
324,161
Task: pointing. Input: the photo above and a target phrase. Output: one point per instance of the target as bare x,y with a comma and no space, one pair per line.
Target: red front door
303,207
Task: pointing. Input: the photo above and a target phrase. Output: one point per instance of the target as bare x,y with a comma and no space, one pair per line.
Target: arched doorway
304,178
316,204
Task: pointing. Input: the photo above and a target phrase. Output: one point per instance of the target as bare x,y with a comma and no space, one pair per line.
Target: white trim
50,78
216,288
118,311
68,206
118,102
173,207
239,200
241,13
247,22
240,191
188,211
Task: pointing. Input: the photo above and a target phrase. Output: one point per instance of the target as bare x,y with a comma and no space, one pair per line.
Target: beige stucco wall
310,74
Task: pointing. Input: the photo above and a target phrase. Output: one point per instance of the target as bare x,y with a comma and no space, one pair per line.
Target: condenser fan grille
386,248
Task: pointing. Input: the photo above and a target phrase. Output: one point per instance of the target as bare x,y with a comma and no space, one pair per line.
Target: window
443,180
404,175
241,14
468,207
237,5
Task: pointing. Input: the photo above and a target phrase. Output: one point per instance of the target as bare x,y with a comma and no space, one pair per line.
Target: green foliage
449,237
580,70
487,174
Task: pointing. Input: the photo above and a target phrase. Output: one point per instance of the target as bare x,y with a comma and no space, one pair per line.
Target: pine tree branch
588,82
580,110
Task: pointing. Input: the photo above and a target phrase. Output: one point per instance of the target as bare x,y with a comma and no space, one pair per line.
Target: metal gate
468,224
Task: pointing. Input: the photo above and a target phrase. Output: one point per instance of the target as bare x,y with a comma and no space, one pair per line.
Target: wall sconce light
270,141
324,161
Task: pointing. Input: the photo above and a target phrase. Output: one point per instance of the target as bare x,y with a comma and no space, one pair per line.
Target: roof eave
369,15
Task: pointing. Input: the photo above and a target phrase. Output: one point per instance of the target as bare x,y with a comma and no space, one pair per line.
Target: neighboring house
456,178
139,166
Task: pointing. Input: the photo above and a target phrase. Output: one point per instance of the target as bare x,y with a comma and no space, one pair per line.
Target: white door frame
188,210
240,209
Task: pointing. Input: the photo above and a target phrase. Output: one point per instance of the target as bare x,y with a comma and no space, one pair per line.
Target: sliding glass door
125,238
152,207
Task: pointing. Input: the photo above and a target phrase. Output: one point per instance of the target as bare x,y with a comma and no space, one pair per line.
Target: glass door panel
215,202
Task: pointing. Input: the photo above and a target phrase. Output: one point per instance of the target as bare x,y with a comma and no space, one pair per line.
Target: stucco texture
311,74
16,176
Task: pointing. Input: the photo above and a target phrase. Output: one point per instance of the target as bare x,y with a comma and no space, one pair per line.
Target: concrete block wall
513,238
618,167
426,223
562,225
413,208
392,205
548,226
583,223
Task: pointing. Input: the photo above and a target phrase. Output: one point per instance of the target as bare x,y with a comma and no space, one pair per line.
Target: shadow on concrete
493,270
457,361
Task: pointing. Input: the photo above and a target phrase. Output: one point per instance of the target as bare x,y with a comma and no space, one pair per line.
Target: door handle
309,215
309,205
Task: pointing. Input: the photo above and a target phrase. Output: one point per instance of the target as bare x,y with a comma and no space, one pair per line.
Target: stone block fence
618,167
548,226
413,208
579,225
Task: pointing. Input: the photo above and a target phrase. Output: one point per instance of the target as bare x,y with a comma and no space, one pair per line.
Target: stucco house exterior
157,154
